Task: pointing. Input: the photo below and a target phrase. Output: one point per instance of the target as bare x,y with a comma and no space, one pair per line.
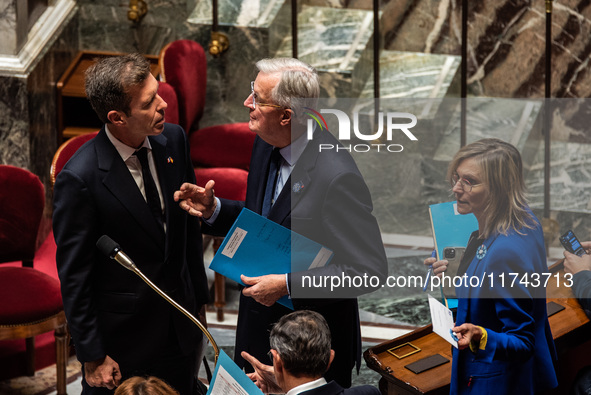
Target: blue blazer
519,355
110,310
326,200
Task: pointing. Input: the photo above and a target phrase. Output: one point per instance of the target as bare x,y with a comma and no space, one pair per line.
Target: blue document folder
256,246
228,378
450,228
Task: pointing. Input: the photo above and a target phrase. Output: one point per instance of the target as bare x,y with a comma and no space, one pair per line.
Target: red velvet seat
30,301
220,152
27,296
168,94
65,152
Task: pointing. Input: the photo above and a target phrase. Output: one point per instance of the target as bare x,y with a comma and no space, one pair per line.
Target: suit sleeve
348,227
229,212
582,288
194,253
74,221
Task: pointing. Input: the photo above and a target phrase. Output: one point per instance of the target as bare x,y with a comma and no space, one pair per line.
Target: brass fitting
137,10
219,43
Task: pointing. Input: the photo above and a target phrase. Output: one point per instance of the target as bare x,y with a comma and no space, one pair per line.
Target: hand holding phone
571,243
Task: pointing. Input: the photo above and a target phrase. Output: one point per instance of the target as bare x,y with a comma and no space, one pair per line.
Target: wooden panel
75,115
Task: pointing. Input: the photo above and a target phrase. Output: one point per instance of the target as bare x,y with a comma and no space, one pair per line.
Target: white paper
234,242
442,320
225,384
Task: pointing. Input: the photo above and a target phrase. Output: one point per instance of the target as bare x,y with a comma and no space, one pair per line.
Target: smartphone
453,255
572,244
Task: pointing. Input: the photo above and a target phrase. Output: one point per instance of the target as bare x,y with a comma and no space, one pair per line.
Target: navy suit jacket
519,355
582,289
110,310
326,200
332,388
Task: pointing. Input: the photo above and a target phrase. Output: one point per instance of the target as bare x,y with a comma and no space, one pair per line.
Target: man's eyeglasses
465,184
255,103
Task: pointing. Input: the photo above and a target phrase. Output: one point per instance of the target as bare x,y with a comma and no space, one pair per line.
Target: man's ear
277,362
330,359
117,117
286,117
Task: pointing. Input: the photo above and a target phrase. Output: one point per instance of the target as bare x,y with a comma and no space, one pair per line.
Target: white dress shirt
127,153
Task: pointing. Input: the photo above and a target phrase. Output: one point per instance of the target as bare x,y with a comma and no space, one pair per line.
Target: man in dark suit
121,184
301,354
580,268
320,195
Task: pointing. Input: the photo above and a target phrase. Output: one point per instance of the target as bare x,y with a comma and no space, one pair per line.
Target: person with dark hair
121,184
301,354
320,195
137,385
505,344
580,268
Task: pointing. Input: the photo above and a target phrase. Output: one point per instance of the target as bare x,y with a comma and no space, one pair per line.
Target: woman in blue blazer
505,345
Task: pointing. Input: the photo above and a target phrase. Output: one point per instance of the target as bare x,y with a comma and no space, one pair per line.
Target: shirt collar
307,386
292,152
125,151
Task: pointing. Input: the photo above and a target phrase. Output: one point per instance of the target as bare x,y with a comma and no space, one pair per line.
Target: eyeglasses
465,184
254,102
270,355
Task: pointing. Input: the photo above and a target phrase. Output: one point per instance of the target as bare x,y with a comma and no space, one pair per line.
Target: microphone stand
180,308
110,248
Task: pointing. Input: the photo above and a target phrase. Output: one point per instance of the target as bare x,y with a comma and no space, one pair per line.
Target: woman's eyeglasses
465,184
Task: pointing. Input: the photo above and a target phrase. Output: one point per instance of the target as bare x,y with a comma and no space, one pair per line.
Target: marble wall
505,54
28,126
12,31
506,42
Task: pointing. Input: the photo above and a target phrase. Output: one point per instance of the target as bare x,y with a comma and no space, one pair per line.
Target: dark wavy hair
109,80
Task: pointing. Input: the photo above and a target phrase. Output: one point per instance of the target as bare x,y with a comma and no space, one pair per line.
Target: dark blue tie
152,196
271,181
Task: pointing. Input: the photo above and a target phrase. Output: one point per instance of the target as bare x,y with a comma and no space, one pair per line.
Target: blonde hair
145,386
502,171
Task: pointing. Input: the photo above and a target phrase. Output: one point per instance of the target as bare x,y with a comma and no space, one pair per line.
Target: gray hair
109,80
302,340
298,80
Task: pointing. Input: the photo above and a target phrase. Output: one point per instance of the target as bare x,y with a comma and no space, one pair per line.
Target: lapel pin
297,187
481,252
169,160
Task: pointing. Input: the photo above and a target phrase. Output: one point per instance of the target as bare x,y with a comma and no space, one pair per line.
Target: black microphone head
107,246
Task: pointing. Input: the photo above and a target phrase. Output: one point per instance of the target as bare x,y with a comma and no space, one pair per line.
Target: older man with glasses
320,195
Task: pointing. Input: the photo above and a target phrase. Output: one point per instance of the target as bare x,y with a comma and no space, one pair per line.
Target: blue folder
230,367
450,228
256,246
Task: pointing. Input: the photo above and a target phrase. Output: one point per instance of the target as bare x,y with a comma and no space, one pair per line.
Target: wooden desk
570,328
75,116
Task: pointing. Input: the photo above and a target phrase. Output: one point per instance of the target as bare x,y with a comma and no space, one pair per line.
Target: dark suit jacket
326,200
582,289
110,310
332,388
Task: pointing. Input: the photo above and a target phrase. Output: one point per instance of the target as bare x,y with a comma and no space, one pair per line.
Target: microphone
110,248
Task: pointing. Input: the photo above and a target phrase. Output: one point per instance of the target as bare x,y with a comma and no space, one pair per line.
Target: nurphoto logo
396,124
